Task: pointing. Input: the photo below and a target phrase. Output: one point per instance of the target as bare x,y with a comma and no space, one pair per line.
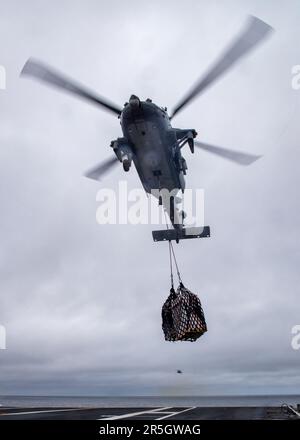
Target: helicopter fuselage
149,140
152,145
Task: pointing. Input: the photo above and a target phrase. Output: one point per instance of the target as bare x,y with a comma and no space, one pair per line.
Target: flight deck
151,413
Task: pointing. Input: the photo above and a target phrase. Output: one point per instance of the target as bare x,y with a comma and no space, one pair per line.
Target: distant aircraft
179,371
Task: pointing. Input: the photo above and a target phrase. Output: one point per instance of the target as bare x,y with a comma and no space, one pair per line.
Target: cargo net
182,316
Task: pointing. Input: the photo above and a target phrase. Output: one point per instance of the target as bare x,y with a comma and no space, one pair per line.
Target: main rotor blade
43,73
255,32
98,171
235,156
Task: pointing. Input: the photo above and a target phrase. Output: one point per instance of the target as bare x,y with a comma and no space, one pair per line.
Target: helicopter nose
134,101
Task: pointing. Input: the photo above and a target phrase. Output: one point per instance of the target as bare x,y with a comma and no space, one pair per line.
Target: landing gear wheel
126,165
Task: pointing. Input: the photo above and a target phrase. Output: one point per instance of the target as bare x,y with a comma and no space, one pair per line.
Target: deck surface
157,413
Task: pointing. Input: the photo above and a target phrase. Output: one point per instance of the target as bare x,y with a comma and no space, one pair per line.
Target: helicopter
149,140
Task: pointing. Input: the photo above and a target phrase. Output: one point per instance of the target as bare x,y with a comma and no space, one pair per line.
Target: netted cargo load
182,316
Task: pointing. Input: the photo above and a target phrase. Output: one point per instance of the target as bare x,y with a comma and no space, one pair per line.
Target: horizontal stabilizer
181,234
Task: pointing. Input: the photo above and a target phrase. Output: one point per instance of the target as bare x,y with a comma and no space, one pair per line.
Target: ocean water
151,401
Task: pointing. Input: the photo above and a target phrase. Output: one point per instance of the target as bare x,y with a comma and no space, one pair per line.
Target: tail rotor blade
235,156
104,167
40,71
255,32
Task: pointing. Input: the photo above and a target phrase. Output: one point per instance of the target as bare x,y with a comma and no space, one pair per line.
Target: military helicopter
150,141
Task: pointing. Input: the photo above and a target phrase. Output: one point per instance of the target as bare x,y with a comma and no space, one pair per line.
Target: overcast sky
81,302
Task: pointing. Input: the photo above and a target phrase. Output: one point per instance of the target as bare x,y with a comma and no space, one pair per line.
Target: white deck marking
155,411
42,412
163,413
293,411
161,410
176,413
147,411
